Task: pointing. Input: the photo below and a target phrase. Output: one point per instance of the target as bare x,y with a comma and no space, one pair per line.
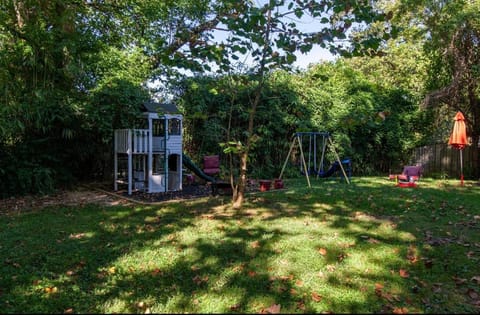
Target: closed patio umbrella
458,139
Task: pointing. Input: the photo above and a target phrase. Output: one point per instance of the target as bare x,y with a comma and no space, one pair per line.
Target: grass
368,247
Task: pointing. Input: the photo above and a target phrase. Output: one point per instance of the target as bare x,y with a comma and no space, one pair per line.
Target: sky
305,24
316,55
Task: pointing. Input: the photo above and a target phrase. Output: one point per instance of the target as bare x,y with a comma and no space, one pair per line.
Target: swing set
316,141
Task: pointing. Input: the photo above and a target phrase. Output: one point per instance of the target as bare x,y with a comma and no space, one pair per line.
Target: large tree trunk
239,195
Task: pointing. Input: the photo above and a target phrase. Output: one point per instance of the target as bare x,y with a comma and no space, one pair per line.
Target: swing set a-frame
314,143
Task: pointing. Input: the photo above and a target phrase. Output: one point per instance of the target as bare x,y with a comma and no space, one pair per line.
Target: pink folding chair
211,165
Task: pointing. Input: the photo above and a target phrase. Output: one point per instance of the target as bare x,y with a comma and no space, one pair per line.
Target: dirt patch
102,193
77,197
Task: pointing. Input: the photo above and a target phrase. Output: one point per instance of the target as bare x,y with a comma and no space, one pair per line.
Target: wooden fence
441,160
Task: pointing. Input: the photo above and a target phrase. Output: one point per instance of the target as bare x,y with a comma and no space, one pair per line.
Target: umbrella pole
461,168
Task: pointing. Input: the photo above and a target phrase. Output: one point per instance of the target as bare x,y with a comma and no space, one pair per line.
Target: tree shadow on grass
338,249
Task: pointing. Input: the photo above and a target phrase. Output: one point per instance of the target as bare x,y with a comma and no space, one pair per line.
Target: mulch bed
189,191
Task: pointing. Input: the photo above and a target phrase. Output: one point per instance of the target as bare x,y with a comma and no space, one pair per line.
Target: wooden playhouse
149,157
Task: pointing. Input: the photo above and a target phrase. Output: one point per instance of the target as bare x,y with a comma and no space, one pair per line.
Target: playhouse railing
131,140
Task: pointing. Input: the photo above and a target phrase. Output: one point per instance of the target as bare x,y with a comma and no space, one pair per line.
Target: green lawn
367,247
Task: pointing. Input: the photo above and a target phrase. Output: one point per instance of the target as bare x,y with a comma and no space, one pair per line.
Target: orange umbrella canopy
458,138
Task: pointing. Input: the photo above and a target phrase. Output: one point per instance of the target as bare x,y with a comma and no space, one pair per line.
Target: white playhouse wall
145,147
170,179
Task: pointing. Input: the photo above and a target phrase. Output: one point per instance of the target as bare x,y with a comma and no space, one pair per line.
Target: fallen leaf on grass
400,310
476,279
386,295
238,268
316,297
347,245
373,241
274,309
157,272
199,280
77,236
390,297
476,303
472,294
255,244
437,287
285,278
412,259
459,281
149,228
235,307
301,305
412,254
404,273
341,257
51,290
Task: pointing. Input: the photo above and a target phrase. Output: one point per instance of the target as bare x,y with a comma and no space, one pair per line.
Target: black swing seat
335,167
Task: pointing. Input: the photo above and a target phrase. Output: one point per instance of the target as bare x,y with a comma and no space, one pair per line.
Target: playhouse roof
161,108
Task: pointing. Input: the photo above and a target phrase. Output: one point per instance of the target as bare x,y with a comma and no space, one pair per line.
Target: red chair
211,165
410,175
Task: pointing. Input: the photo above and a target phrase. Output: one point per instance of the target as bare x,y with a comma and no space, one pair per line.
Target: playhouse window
174,127
158,164
158,128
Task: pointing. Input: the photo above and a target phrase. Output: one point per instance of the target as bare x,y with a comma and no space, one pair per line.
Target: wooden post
129,153
339,161
165,160
150,153
303,160
288,156
296,137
